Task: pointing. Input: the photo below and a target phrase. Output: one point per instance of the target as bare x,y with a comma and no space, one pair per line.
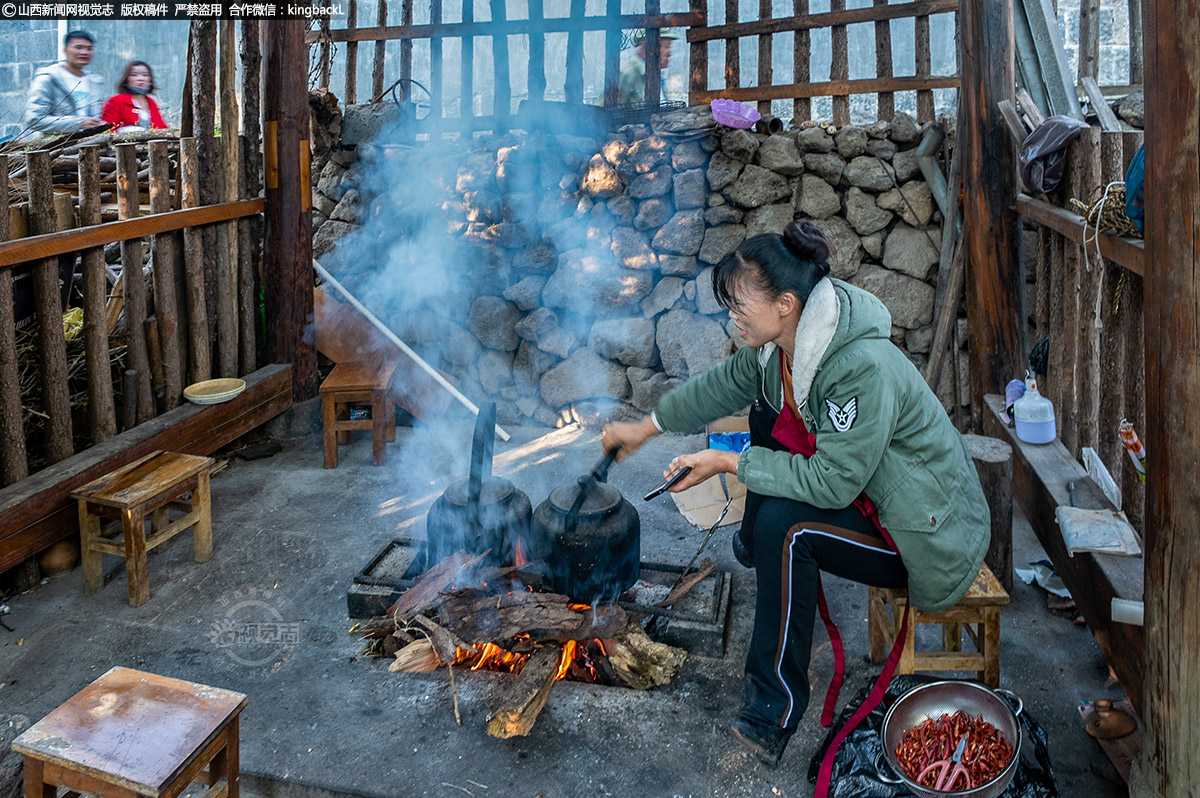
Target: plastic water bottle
1034,415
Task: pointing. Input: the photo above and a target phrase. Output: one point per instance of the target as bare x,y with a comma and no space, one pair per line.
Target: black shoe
767,742
741,553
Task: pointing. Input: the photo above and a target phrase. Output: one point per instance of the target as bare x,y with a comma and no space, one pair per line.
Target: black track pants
792,542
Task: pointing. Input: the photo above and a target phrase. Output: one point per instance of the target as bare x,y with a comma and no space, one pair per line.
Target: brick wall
24,48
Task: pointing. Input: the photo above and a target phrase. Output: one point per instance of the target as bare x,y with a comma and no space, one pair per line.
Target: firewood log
445,643
425,592
640,662
497,619
516,707
418,657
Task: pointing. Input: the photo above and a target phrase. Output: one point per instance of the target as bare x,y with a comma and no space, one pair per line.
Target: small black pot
600,557
504,519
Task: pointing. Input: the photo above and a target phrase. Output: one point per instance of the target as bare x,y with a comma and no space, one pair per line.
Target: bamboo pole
405,348
134,281
102,413
163,249
52,343
13,462
199,348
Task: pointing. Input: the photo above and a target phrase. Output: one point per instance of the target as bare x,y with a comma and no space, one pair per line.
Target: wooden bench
144,487
358,383
131,733
977,613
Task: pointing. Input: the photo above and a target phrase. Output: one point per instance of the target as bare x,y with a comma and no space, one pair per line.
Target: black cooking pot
503,521
597,557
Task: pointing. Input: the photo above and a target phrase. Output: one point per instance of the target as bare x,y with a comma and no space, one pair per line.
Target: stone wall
25,47
553,272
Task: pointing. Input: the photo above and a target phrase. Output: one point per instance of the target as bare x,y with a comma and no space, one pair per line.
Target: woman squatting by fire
850,454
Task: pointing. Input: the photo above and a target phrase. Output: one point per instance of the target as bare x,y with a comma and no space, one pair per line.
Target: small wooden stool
358,383
132,733
978,611
145,486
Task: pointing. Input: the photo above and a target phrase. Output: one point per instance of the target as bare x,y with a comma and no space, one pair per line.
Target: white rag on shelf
1104,531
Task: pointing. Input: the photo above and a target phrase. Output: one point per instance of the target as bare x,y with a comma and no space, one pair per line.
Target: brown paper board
702,504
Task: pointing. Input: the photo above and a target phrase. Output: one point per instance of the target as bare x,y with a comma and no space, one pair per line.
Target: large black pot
504,517
599,556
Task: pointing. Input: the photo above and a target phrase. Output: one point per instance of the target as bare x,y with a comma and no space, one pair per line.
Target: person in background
132,107
633,67
66,97
853,468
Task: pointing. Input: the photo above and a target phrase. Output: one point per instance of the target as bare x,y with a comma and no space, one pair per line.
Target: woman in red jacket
132,106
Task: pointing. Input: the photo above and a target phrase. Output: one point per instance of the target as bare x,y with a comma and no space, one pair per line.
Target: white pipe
405,348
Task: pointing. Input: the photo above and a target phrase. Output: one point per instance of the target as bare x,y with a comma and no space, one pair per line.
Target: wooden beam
1127,252
23,250
1172,348
504,27
989,226
288,273
827,19
840,88
38,511
1040,476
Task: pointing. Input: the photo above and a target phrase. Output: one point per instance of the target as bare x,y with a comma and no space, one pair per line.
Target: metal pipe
926,152
405,348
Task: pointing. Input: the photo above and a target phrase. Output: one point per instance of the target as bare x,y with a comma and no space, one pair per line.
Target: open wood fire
464,615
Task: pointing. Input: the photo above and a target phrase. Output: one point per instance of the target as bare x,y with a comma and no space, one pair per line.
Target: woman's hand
704,464
628,435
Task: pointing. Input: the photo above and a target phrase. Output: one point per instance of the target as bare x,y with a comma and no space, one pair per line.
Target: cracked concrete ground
325,721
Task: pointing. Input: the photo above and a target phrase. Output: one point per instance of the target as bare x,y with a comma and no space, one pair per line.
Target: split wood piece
445,643
425,592
199,348
690,581
993,462
165,304
102,414
52,343
640,662
134,281
13,460
498,619
418,657
516,707
1029,108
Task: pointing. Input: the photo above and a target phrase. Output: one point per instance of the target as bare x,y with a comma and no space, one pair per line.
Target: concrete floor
323,720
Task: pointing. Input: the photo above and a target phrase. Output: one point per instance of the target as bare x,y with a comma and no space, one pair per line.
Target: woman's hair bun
806,241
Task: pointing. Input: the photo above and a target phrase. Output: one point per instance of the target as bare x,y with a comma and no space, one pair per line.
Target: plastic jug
1034,415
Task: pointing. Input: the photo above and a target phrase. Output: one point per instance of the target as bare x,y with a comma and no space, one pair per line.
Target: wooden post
406,18
765,50
467,64
990,226
227,260
351,85
436,82
612,58
1137,71
250,230
502,104
204,113
924,64
199,346
573,85
733,67
102,414
1172,284
13,462
288,273
380,50
883,64
993,462
839,69
325,53
52,344
163,248
698,52
1089,38
801,107
133,280
537,52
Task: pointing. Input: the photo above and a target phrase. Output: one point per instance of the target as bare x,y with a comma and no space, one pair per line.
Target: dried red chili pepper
986,754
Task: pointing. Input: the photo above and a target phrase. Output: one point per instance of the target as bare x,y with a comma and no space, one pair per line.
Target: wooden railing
67,400
801,90
535,25
1089,296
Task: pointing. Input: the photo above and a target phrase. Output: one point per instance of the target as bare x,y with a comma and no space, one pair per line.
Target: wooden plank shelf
1126,252
1040,477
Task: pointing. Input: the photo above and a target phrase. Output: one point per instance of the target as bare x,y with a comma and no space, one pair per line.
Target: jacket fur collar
814,334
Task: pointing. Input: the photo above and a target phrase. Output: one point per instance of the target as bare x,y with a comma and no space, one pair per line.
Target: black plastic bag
854,768
1043,154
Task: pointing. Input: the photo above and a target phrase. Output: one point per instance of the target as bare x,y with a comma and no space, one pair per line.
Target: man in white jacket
65,97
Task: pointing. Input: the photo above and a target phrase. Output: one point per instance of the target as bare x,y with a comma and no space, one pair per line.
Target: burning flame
519,556
494,658
564,662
